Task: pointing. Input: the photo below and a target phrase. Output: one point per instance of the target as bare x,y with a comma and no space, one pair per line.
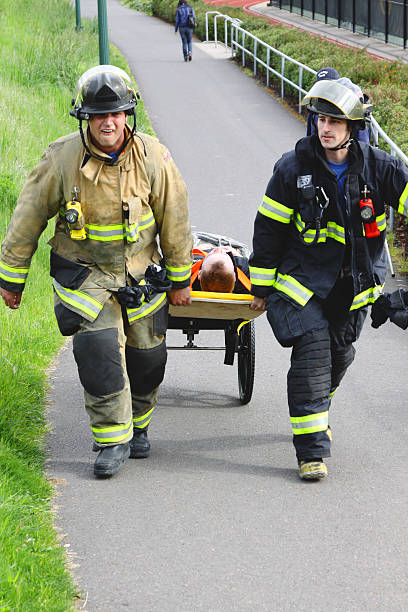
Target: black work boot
139,444
110,459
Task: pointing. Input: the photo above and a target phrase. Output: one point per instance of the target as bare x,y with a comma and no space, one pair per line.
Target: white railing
236,32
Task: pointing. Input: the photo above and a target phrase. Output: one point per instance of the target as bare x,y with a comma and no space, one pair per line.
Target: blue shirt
340,171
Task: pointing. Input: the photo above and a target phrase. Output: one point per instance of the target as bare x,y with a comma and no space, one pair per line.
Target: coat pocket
135,210
68,273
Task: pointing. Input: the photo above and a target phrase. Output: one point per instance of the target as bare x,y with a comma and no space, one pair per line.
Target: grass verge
41,57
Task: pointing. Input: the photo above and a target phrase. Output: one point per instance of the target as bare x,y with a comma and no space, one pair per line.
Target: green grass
41,57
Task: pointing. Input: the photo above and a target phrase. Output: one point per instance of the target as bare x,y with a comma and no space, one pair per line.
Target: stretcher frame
229,312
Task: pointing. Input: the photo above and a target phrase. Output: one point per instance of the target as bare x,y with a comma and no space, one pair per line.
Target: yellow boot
312,469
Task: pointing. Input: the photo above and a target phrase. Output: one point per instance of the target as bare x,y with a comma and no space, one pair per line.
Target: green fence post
78,15
103,33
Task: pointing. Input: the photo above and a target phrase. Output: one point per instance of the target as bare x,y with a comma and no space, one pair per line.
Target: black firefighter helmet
103,89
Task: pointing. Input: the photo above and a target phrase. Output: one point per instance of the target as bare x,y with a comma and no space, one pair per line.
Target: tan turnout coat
135,214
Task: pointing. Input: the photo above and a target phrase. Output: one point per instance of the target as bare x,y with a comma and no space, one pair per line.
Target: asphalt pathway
217,519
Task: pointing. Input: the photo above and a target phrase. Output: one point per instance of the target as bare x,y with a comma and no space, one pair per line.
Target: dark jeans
186,34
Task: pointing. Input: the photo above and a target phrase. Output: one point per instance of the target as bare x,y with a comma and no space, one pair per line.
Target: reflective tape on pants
310,423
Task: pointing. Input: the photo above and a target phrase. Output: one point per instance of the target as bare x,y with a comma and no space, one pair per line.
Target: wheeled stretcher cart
229,312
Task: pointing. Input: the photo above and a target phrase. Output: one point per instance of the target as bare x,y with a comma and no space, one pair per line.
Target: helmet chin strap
104,159
345,144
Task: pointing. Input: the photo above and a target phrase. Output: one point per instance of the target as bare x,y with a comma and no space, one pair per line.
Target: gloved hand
380,310
399,308
393,306
130,296
156,281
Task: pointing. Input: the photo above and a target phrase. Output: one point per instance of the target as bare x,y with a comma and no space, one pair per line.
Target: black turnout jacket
301,246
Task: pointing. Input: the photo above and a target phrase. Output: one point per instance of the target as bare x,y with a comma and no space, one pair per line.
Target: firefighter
117,197
318,257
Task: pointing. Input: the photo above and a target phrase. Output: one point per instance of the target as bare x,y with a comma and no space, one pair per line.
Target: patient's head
217,271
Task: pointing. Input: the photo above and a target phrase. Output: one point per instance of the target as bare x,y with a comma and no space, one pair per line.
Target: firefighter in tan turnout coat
122,245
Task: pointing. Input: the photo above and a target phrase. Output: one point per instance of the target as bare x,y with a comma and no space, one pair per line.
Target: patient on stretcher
221,268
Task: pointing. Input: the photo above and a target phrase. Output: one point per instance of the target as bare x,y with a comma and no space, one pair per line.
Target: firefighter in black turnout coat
318,257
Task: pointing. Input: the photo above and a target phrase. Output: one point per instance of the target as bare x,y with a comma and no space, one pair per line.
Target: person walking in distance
117,197
185,23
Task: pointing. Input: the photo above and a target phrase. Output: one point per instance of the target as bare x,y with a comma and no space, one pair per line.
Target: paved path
216,519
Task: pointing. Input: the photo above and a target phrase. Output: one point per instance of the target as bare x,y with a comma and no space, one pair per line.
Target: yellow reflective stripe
13,275
79,300
178,274
403,202
289,285
146,221
113,433
108,233
274,210
146,308
143,421
381,222
262,276
310,423
366,297
334,231
104,233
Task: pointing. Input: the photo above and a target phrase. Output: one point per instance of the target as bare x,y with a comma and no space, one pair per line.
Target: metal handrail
227,18
377,131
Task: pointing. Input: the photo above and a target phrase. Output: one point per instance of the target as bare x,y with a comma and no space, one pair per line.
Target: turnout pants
321,335
120,367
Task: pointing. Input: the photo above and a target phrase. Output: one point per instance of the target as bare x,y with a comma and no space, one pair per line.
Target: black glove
156,281
130,296
393,306
399,308
380,310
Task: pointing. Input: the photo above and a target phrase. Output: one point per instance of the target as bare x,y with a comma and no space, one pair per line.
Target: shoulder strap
242,277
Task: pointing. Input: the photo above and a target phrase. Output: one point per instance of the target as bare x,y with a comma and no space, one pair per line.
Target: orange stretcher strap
195,268
244,279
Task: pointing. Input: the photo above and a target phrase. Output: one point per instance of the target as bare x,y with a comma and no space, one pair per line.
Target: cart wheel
246,362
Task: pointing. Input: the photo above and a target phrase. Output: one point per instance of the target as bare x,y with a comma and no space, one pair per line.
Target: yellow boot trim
312,470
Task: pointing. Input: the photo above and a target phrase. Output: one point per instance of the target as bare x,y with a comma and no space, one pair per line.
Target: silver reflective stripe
262,276
275,210
336,232
289,285
310,423
104,233
146,308
178,274
381,222
132,233
147,221
79,300
143,421
366,297
16,275
116,433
